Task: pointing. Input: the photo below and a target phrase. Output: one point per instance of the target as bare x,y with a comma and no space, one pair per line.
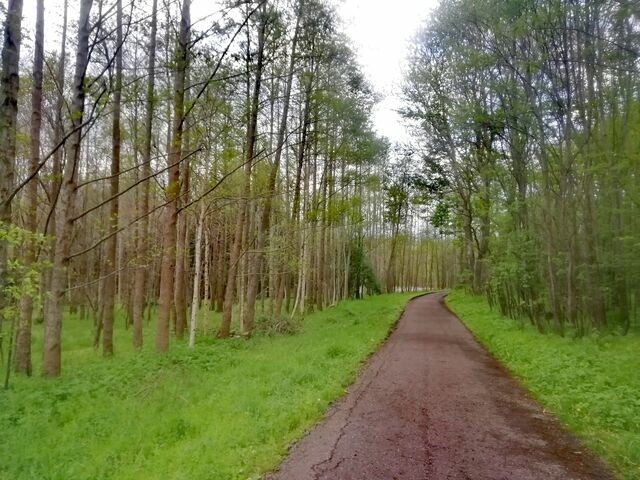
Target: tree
252,133
9,85
51,363
23,338
142,246
109,285
167,272
511,100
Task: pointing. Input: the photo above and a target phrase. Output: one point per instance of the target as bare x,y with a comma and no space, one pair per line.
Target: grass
591,384
224,410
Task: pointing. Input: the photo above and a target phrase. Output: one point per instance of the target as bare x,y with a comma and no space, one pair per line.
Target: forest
529,113
194,195
199,167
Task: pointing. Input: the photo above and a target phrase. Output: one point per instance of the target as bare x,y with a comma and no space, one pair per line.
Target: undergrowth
224,410
591,384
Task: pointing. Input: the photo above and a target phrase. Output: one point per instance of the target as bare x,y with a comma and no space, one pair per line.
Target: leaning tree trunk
23,337
285,278
168,267
58,133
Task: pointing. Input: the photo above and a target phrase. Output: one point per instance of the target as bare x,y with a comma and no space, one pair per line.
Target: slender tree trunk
9,86
182,254
258,258
58,132
252,131
23,339
167,270
109,288
196,281
142,246
54,310
286,276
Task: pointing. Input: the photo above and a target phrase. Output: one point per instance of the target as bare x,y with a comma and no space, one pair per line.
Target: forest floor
225,410
433,404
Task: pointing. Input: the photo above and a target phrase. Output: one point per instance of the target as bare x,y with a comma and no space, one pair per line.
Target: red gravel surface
433,404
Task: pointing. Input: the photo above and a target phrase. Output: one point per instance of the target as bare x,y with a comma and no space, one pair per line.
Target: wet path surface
432,404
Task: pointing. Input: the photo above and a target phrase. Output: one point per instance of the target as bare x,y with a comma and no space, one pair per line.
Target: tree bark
109,287
196,281
252,130
55,303
142,246
258,258
23,338
9,86
168,266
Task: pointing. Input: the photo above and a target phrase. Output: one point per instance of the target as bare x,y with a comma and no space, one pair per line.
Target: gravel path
433,404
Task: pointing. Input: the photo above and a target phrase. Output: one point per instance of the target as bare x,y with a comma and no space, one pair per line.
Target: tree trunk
252,131
167,270
9,85
54,309
23,339
109,288
58,132
286,277
258,258
182,252
196,281
142,246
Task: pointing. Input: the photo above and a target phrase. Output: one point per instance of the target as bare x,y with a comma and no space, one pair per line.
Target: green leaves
226,410
21,278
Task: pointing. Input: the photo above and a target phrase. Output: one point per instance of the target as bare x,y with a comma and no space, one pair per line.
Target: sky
381,32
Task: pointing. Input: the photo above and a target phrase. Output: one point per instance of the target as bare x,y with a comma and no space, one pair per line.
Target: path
432,404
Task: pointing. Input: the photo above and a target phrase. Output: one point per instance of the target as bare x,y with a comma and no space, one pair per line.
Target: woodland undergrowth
227,409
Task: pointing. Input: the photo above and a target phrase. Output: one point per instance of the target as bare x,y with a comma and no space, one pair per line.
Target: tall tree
252,132
51,363
265,218
109,286
167,271
9,86
23,338
142,247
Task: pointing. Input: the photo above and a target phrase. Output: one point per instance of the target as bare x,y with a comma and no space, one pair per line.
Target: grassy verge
592,384
224,410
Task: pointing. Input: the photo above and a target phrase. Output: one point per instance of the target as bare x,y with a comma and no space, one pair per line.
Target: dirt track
432,404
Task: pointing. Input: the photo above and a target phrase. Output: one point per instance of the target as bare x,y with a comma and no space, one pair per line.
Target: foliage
20,278
361,273
282,325
590,383
224,410
530,111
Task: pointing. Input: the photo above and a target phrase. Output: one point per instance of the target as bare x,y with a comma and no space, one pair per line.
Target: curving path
433,404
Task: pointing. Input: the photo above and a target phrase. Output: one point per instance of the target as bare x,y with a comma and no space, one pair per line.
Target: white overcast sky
381,32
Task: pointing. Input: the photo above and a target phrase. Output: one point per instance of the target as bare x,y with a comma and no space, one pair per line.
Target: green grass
591,384
224,410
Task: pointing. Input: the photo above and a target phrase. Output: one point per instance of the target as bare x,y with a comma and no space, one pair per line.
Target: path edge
363,365
615,474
